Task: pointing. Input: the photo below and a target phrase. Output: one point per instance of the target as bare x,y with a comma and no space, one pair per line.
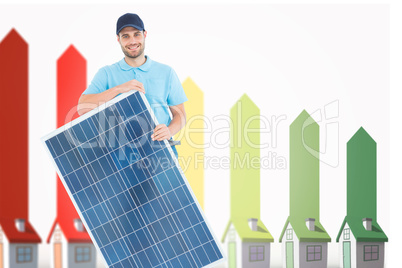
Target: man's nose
131,40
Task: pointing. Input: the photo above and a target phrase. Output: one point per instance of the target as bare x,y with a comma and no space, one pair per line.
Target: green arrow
245,159
304,168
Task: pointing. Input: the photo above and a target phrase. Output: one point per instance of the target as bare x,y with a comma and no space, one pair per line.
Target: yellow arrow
191,150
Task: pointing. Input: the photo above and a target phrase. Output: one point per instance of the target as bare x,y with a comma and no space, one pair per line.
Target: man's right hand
131,85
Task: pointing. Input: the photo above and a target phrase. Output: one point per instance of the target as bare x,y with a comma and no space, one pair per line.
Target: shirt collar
145,67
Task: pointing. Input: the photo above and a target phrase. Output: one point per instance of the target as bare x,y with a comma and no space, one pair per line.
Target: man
136,71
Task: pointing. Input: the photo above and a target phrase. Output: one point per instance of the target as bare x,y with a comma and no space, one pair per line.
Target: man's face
132,42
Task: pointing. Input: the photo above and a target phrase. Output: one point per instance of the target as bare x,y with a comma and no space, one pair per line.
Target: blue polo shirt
162,86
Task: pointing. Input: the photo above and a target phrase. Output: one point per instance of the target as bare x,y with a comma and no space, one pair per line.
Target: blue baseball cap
129,19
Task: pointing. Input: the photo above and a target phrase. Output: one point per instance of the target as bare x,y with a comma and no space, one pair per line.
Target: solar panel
130,191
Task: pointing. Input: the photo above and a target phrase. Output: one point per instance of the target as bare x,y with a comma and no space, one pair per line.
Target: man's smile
133,47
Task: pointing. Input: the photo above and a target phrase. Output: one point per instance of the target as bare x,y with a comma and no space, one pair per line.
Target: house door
289,255
346,255
1,255
57,255
232,255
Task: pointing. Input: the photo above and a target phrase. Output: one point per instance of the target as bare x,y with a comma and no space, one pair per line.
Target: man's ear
145,34
118,38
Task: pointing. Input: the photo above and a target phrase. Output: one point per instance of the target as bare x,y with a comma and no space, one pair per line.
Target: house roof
360,233
15,236
70,232
304,234
248,235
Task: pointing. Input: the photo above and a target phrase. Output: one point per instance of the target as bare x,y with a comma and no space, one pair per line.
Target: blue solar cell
182,243
152,256
191,235
101,234
168,249
144,259
79,134
184,261
115,204
191,215
83,199
92,196
107,188
129,189
149,212
160,233
138,195
167,204
87,129
187,240
157,208
183,219
124,203
174,182
181,195
191,260
65,164
96,167
142,238
93,218
73,180
209,250
133,128
173,200
119,250
148,190
201,234
61,143
134,242
112,254
107,169
115,184
202,256
163,183
100,213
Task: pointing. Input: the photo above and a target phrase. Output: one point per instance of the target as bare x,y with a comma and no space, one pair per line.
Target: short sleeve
98,84
176,94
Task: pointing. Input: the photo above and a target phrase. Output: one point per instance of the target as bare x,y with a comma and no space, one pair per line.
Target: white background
285,57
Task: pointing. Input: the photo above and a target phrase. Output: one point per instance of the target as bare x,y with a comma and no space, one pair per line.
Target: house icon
248,240
361,239
71,245
304,240
18,239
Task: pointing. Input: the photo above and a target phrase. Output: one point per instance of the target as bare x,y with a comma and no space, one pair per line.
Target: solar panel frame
103,166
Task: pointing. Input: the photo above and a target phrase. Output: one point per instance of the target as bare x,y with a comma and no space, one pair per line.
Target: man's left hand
161,132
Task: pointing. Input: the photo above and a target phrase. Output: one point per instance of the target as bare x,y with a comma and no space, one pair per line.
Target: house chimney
252,223
367,223
310,222
78,225
20,225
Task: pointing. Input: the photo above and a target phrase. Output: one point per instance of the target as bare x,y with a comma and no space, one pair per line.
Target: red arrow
14,126
71,82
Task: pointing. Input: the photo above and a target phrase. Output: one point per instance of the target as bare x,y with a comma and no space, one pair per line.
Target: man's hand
90,101
161,132
131,85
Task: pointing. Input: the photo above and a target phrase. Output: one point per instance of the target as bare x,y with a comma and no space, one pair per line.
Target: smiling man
136,71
